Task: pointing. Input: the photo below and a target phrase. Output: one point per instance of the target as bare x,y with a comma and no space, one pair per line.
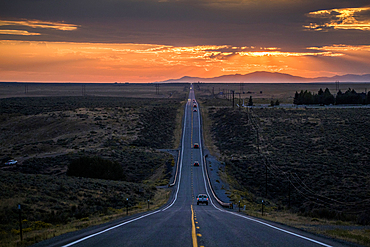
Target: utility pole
239,100
233,98
289,192
258,141
266,180
83,90
337,86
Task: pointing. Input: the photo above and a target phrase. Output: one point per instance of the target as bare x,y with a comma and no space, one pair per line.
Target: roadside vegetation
316,161
80,159
322,155
326,98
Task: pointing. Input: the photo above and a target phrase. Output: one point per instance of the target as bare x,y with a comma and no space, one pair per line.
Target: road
181,222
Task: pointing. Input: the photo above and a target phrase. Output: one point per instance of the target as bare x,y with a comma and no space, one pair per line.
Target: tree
272,103
328,97
307,98
296,98
277,102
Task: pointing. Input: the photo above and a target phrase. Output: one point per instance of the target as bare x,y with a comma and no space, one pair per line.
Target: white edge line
245,217
181,156
146,215
277,228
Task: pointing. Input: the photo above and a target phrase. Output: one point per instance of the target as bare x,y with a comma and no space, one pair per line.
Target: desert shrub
60,199
48,165
156,127
231,131
364,218
139,164
37,105
95,167
321,154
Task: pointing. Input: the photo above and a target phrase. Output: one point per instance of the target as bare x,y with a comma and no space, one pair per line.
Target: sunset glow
149,41
62,61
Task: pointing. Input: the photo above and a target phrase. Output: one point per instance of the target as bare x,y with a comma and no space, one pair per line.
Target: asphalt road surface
181,222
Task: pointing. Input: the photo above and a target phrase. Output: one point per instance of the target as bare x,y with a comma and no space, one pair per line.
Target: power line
307,192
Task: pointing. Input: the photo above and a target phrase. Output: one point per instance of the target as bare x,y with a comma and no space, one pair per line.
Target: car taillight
198,199
207,199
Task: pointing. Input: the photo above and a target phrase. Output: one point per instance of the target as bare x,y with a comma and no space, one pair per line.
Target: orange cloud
346,18
342,48
40,24
18,32
287,54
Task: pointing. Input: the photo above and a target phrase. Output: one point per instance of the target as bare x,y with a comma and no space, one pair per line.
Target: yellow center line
193,231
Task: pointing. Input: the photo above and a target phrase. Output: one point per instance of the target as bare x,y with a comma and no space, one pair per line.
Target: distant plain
46,125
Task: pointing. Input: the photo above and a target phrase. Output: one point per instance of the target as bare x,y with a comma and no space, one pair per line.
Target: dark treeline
326,98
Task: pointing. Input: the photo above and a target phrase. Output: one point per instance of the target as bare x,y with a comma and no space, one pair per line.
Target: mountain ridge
265,76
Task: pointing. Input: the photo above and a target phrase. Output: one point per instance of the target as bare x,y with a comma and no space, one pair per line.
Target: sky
157,40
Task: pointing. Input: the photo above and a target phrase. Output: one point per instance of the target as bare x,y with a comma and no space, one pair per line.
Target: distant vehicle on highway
195,105
196,163
195,110
196,145
202,198
11,162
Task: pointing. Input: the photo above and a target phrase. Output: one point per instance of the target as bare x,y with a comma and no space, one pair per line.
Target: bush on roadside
95,167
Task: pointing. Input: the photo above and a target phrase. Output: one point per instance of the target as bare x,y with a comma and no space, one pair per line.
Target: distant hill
264,76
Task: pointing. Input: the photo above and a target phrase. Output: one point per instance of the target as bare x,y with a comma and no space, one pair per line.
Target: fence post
126,206
20,222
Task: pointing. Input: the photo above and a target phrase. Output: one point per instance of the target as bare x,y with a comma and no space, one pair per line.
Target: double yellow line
193,231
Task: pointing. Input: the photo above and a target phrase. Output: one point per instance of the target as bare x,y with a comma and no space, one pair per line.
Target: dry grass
160,198
207,132
356,236
331,228
347,231
63,132
58,127
178,130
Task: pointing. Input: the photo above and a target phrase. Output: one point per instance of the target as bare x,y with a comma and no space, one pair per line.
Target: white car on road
11,162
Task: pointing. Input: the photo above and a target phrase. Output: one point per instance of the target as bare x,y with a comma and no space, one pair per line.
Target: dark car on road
202,198
196,145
